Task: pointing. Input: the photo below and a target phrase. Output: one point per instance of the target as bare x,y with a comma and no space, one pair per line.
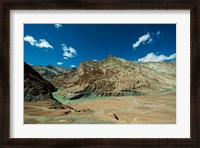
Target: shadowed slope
35,86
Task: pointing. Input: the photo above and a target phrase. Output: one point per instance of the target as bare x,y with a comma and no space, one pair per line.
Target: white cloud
146,39
65,58
72,50
68,52
73,66
150,40
94,60
59,63
58,26
30,39
42,43
171,57
143,39
151,57
158,33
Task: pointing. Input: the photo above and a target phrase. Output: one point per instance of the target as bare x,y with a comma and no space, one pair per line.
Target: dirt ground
113,110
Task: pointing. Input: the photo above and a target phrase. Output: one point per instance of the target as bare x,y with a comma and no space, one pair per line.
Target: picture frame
192,5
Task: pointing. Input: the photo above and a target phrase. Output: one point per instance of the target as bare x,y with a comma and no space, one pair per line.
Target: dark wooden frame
192,5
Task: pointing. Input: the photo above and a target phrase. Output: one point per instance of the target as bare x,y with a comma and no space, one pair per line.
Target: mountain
35,86
115,76
49,72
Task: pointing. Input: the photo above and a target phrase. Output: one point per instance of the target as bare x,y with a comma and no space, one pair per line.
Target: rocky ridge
115,76
35,86
49,72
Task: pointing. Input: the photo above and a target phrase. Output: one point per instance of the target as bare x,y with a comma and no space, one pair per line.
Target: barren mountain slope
36,87
115,76
49,72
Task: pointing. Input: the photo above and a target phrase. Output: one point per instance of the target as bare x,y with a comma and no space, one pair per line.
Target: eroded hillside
115,76
49,72
35,86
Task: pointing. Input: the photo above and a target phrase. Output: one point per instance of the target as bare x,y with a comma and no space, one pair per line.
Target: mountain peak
115,76
111,57
50,66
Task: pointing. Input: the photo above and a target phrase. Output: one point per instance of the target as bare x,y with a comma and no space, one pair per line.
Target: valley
110,110
111,91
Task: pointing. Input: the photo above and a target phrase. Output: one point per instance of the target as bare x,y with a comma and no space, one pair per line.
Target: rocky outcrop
49,72
115,76
35,86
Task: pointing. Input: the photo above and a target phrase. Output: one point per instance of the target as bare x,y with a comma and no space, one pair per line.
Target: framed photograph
100,74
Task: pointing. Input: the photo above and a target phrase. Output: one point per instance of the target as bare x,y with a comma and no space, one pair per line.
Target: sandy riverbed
128,110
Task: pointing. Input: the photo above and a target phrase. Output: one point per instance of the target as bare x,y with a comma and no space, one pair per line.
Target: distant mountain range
112,76
49,72
115,76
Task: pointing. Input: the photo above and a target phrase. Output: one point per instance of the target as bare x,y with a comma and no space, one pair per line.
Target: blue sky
70,44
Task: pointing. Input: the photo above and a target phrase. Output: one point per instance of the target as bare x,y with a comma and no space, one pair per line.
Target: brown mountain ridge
115,76
49,72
